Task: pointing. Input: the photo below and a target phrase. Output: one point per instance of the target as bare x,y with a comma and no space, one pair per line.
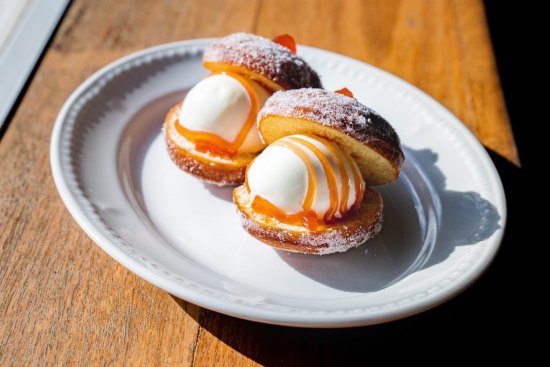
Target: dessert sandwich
212,134
309,190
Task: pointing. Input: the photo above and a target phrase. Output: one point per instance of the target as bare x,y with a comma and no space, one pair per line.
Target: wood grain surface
65,302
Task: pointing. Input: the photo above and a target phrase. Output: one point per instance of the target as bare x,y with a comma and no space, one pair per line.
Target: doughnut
309,190
212,133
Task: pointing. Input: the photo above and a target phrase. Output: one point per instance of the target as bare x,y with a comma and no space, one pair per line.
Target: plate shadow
465,218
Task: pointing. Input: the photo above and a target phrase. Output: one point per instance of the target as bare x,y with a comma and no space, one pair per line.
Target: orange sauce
287,41
304,218
214,144
307,217
345,91
312,179
359,185
339,158
329,173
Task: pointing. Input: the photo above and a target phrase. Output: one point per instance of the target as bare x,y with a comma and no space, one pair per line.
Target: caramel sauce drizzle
214,144
307,217
312,179
329,174
286,40
359,185
340,157
345,91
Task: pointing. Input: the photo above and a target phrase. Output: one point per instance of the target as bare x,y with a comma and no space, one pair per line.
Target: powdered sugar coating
340,112
336,237
263,57
330,243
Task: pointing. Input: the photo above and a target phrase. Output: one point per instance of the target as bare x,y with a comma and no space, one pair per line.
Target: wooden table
63,301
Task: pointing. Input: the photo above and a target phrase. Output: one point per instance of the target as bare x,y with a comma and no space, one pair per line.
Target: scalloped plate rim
246,311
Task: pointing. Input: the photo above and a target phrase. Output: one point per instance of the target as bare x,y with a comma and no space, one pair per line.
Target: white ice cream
280,176
220,104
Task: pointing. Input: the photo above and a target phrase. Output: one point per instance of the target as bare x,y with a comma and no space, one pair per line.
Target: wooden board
63,301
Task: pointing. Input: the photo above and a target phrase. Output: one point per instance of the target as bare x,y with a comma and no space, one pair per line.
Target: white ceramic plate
444,217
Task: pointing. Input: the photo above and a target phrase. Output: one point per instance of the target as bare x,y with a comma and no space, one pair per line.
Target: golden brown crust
337,237
268,62
368,137
215,170
218,175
